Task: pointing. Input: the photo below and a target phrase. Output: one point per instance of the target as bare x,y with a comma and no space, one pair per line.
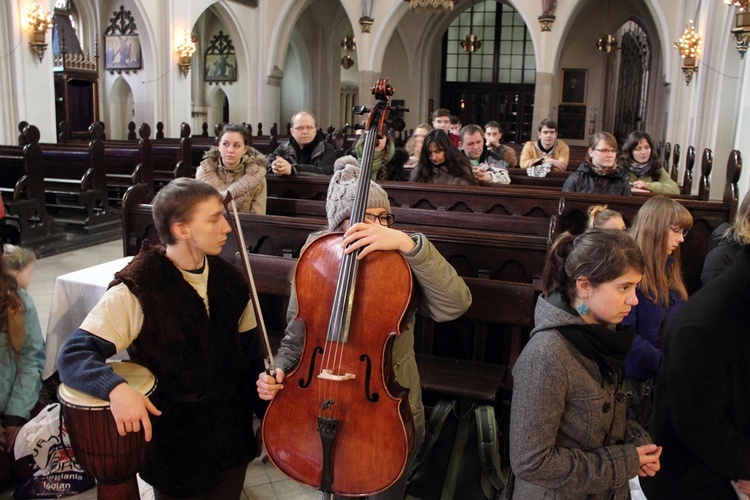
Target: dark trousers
230,487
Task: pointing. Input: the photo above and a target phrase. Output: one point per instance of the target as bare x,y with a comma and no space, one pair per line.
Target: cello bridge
329,375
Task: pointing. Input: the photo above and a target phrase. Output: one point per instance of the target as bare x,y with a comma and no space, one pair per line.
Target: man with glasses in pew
305,151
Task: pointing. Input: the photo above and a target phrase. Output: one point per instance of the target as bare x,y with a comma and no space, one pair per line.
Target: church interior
123,70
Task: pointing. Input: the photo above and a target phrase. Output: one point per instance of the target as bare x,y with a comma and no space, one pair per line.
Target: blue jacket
644,358
20,383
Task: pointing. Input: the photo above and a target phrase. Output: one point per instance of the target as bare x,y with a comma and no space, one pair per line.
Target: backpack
460,456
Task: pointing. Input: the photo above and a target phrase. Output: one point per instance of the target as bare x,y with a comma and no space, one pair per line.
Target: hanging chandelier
431,6
689,46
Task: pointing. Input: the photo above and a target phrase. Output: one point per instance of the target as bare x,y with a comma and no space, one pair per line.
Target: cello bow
234,222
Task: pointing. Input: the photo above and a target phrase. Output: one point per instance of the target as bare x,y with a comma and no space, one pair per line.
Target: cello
342,423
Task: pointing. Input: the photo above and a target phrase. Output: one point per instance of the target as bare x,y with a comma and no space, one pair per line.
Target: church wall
711,112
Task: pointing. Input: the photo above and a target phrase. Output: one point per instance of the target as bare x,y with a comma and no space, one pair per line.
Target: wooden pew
75,185
172,158
502,256
500,311
529,201
22,188
577,154
126,162
515,224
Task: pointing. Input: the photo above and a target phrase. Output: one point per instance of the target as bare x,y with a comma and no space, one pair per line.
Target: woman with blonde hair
659,229
605,218
730,240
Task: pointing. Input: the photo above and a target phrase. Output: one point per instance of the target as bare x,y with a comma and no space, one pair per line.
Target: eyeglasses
606,151
300,128
679,230
384,219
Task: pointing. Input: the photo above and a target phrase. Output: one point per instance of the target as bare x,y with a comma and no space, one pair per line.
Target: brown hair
601,136
548,123
470,129
626,156
235,127
175,203
600,255
456,163
650,229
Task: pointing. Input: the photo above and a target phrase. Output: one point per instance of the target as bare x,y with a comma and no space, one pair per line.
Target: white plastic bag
56,473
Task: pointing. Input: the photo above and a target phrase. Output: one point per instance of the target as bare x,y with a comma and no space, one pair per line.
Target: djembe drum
112,459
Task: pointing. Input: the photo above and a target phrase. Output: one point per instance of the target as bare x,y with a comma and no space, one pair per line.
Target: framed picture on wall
221,68
573,86
122,52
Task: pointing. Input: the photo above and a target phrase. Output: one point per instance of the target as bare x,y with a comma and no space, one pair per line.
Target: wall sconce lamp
365,22
471,43
546,20
185,49
689,46
741,30
38,22
349,44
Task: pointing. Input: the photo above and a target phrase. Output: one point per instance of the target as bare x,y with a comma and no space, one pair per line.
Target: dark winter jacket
645,357
722,251
701,416
316,157
585,180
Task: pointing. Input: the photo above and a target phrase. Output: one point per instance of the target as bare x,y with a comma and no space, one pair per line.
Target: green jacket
662,185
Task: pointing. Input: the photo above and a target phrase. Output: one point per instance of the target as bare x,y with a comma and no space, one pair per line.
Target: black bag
640,399
459,458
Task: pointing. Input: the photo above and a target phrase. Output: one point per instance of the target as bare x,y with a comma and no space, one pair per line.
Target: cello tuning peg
360,110
400,108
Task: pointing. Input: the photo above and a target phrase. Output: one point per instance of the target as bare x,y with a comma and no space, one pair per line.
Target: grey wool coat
569,436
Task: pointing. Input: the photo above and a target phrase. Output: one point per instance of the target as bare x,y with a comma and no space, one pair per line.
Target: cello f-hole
306,382
375,396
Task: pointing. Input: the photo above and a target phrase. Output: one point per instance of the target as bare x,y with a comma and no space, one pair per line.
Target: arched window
505,53
633,76
489,69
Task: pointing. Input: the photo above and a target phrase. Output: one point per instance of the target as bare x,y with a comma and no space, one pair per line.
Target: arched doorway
632,82
495,79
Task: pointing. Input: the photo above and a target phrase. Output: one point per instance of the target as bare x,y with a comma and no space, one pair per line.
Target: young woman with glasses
659,229
641,162
442,295
599,173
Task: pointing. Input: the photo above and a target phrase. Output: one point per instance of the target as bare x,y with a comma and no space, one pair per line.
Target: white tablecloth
74,295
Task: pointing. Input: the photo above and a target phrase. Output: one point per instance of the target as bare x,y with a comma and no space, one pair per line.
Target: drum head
137,377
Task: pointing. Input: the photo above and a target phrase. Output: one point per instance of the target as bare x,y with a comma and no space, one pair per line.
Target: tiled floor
262,481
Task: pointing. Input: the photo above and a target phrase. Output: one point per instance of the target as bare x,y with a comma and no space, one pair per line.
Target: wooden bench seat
498,307
172,158
538,226
75,184
22,188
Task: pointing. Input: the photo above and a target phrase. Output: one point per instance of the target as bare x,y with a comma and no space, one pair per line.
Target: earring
582,309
